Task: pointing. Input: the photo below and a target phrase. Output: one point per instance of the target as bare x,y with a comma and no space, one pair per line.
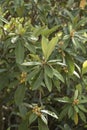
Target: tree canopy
43,64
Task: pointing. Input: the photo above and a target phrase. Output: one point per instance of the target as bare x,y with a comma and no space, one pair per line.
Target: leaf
51,46
2,70
69,14
58,75
34,63
70,112
48,82
42,125
23,110
70,63
48,71
36,83
19,52
64,112
76,108
24,125
44,44
78,45
8,128
76,118
84,67
57,84
76,94
44,119
83,21
46,32
32,74
82,116
30,47
19,95
32,117
3,20
82,108
64,100
50,113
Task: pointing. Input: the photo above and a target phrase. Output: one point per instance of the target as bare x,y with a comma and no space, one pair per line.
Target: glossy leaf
50,113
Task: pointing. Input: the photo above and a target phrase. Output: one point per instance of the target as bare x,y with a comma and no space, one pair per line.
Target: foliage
43,64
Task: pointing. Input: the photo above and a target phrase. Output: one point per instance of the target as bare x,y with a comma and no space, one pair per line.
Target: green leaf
42,125
8,128
82,108
32,117
46,32
48,71
36,83
30,47
3,20
50,113
69,14
34,63
81,22
23,110
24,125
19,95
82,116
58,75
44,44
84,67
19,52
70,111
48,82
76,94
64,100
76,118
32,74
70,63
64,112
51,46
76,108
2,70
44,119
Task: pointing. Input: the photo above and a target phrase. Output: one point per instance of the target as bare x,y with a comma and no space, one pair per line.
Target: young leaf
51,46
76,118
76,94
44,44
84,67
